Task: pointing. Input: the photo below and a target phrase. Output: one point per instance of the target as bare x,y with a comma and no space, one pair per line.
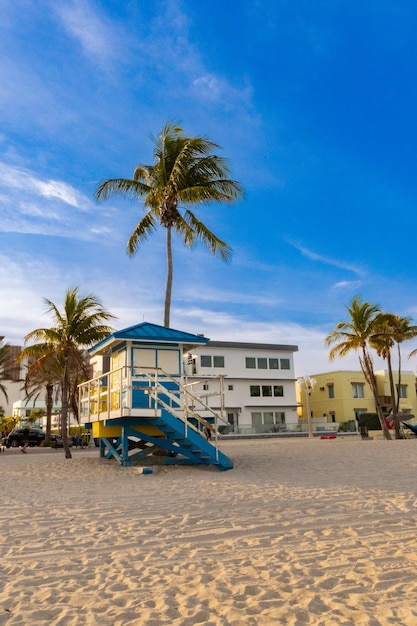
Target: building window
402,391
358,390
205,387
267,391
205,360
256,419
359,412
263,363
268,419
230,387
218,361
280,417
330,388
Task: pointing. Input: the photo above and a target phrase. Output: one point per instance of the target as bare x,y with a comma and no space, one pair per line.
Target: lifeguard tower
140,404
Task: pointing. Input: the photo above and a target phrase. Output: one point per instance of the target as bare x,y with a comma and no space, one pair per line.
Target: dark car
36,436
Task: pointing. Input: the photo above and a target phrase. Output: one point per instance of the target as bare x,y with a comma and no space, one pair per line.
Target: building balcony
384,401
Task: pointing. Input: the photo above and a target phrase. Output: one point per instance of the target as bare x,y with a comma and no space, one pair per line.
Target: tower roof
149,333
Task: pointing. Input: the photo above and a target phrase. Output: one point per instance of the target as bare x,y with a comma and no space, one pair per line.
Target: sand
299,532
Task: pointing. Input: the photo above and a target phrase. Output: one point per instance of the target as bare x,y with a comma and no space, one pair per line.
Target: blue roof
150,333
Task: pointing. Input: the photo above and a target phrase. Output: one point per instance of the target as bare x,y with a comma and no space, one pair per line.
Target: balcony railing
385,400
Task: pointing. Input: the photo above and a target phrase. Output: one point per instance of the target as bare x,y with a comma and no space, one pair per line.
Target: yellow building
340,397
407,391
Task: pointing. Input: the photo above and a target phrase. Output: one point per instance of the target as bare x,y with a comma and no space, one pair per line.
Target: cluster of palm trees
368,328
56,357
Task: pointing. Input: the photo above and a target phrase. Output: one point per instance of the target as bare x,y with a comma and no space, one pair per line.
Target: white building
11,380
258,381
24,408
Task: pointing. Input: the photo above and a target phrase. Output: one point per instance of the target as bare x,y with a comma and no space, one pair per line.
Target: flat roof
252,346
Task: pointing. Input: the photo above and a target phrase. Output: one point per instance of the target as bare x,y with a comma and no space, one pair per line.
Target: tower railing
111,393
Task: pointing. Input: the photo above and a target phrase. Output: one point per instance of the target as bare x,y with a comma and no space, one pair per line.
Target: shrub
369,421
347,427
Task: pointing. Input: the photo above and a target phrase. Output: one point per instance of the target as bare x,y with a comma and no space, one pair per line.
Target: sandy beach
300,532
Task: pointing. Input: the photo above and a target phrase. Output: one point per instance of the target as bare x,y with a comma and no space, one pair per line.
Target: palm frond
143,229
207,237
125,187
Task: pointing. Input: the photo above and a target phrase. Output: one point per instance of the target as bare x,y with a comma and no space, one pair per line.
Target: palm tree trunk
49,405
168,290
368,371
399,378
394,404
64,409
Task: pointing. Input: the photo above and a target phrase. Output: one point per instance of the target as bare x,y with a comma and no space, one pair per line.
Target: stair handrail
187,393
155,387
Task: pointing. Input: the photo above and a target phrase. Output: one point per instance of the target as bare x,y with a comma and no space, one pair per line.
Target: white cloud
314,256
104,230
33,205
101,39
225,295
219,90
23,180
33,210
347,284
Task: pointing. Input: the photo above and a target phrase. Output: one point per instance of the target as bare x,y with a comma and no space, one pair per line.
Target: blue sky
314,105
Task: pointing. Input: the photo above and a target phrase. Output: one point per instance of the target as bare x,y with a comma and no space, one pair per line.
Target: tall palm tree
79,325
355,335
184,173
392,329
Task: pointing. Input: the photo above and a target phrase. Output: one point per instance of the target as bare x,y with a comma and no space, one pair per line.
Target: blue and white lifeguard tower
140,403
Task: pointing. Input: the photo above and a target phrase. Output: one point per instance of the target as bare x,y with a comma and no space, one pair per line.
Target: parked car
36,436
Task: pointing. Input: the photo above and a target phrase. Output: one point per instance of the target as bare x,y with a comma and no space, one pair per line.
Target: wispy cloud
33,205
217,89
347,284
227,296
192,76
101,39
314,256
23,180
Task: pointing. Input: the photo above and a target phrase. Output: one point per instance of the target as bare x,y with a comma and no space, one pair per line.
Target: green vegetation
369,328
77,326
7,424
392,330
184,173
370,421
